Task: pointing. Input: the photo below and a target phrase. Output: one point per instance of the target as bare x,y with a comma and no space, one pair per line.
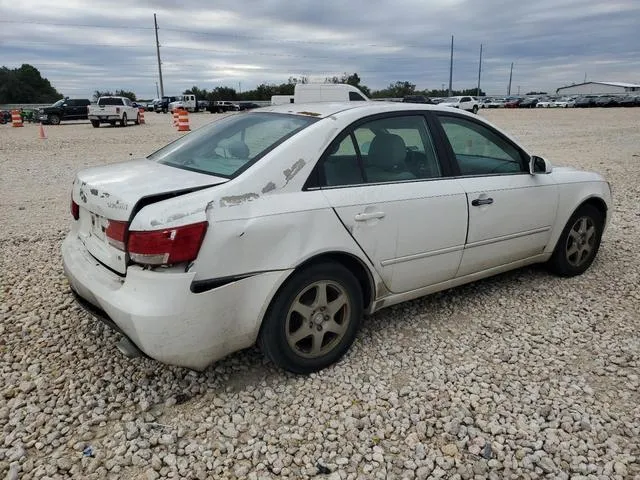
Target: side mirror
539,165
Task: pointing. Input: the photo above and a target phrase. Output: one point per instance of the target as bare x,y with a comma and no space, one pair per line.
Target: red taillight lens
117,234
167,246
75,210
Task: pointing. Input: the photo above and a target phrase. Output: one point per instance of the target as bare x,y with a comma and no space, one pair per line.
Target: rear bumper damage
159,314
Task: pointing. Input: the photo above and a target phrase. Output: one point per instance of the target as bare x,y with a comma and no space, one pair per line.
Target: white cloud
551,42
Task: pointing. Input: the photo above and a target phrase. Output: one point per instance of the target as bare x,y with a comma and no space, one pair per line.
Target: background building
598,88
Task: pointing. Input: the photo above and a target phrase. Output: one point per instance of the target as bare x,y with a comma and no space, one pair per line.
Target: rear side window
227,147
356,97
385,150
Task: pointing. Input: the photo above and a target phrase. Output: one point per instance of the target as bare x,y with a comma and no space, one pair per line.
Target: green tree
352,79
25,85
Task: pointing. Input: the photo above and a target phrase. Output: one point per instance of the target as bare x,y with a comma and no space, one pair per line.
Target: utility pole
157,91
155,22
518,90
479,71
451,67
510,78
585,77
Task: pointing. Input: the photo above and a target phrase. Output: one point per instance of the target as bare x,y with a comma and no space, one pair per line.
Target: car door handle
481,201
362,217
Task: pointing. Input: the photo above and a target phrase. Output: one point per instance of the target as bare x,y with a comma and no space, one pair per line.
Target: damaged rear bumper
158,312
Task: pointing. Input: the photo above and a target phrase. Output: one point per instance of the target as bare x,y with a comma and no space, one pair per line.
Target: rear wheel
123,121
95,123
314,319
579,242
475,109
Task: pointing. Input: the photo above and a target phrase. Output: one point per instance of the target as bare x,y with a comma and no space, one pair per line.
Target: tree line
265,91
26,85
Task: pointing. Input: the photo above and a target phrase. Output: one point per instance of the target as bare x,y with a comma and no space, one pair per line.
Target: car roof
327,109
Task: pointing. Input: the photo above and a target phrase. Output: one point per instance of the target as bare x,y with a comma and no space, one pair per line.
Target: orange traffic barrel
141,115
183,121
16,118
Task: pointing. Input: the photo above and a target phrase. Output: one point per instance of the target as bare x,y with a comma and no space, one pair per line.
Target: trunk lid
111,192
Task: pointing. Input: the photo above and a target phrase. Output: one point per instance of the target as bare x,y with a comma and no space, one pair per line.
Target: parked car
630,101
114,110
605,101
248,106
512,103
63,110
462,102
222,106
416,99
284,226
544,103
529,102
584,102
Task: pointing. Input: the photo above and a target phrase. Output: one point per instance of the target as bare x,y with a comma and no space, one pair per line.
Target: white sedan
284,225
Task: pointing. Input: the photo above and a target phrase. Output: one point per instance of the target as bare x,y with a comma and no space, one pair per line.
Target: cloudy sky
84,45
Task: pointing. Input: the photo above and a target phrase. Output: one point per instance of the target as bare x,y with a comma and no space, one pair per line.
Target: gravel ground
520,376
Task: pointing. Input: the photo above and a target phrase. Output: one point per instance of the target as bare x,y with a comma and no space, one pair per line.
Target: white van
321,92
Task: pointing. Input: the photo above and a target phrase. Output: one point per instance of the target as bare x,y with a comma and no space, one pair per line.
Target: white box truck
321,92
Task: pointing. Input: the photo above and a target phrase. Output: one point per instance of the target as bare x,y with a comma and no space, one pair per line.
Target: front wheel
475,109
137,122
314,319
123,121
54,119
579,242
95,123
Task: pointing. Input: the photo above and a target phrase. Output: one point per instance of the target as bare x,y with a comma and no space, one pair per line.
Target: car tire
95,123
137,122
579,242
54,119
475,109
123,120
301,315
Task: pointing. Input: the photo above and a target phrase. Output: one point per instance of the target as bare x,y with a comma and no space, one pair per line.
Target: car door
511,212
385,182
465,103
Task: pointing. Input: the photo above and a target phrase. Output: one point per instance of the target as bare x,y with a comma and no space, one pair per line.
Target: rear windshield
110,101
228,146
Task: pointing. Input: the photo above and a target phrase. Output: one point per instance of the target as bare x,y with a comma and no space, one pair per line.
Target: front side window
355,97
226,147
384,150
479,150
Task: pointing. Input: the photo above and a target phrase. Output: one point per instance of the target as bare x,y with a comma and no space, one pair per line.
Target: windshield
451,100
58,103
226,147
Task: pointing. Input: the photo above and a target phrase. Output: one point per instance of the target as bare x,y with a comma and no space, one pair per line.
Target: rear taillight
117,234
167,246
75,210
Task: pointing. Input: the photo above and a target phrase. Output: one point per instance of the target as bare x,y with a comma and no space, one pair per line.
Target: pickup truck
64,109
113,110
